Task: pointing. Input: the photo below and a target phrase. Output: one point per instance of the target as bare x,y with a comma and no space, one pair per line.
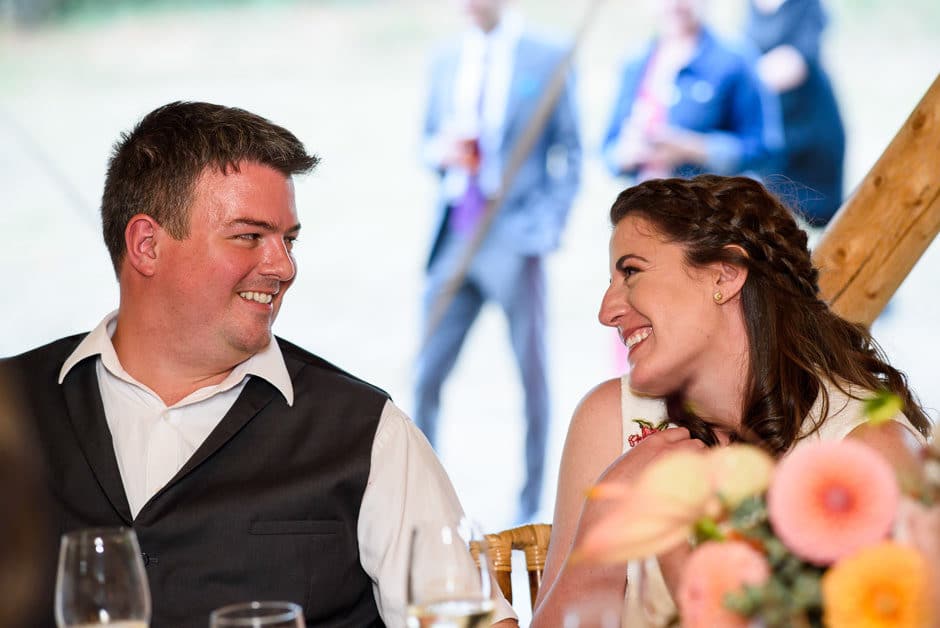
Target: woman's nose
613,305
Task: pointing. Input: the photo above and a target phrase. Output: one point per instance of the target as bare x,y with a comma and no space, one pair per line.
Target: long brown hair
796,343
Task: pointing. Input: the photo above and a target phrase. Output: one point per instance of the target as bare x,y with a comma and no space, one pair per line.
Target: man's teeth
260,297
638,337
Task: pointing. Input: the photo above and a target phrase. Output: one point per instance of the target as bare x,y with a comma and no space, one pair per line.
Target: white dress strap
637,412
648,603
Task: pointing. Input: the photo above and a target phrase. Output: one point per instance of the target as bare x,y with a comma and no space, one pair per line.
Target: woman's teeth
638,337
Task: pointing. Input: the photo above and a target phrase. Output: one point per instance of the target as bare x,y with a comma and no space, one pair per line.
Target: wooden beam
889,221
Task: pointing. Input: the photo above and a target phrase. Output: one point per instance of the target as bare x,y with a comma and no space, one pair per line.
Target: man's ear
729,278
140,241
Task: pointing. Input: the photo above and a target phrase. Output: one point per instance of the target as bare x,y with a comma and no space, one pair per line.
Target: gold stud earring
717,296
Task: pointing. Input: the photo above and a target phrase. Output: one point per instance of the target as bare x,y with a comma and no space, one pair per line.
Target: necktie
468,209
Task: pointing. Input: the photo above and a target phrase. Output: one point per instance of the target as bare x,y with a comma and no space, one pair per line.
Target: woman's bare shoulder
594,435
601,404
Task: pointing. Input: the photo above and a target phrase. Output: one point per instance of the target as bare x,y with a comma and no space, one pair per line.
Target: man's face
222,286
484,14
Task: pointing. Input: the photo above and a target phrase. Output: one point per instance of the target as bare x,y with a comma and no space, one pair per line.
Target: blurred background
349,78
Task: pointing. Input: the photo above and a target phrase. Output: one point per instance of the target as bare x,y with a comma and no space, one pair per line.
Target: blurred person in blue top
787,33
689,104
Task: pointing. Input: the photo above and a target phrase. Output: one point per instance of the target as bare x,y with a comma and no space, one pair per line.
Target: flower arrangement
825,536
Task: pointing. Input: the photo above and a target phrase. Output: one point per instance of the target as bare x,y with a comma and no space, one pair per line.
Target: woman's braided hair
796,342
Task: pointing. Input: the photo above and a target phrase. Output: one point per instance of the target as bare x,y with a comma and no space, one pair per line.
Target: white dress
648,603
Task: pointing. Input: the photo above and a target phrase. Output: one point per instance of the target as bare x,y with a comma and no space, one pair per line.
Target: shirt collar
268,364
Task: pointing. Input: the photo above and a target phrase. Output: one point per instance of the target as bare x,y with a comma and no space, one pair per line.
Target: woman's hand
631,464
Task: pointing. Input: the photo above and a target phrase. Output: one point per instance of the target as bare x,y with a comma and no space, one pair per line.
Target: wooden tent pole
889,221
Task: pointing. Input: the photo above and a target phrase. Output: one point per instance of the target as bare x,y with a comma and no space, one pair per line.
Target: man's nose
279,262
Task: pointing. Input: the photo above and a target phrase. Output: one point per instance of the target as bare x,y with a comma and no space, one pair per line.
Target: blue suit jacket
719,95
535,207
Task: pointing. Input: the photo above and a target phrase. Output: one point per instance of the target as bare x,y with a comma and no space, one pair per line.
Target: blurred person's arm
621,152
754,139
786,65
438,148
782,68
563,165
670,147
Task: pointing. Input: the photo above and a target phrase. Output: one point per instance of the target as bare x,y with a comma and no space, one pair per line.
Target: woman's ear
729,278
140,242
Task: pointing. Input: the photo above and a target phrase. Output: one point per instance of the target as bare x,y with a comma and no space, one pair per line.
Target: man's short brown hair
154,168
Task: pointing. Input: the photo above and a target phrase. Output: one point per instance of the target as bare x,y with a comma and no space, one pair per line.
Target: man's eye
290,240
629,271
248,236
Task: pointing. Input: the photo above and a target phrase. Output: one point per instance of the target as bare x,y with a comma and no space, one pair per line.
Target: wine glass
258,615
448,587
101,580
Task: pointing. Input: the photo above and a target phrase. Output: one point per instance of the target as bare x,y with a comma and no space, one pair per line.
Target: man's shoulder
297,358
542,43
54,352
37,369
445,52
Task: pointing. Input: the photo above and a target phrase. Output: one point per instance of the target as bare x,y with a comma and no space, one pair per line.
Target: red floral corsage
646,429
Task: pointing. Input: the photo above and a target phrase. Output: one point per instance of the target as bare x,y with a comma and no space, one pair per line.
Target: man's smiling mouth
258,297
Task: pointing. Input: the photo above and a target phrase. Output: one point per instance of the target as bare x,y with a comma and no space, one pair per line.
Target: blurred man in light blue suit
485,87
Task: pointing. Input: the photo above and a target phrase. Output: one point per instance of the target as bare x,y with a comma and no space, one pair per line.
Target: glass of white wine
448,587
258,615
101,580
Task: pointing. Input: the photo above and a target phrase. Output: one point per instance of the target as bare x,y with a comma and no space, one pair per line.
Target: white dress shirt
152,442
488,57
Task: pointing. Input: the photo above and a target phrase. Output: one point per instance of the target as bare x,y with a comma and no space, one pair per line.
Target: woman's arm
592,453
897,444
593,442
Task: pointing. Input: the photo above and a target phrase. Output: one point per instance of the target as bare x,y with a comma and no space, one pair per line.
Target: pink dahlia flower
713,570
828,499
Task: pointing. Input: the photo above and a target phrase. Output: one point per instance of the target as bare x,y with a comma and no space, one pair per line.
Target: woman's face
663,309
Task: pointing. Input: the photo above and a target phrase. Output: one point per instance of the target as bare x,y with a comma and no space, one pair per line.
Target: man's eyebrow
260,224
621,263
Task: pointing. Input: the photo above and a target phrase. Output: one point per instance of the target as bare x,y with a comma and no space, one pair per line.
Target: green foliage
792,596
883,407
706,529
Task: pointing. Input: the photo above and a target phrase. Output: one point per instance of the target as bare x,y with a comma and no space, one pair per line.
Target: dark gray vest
266,509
